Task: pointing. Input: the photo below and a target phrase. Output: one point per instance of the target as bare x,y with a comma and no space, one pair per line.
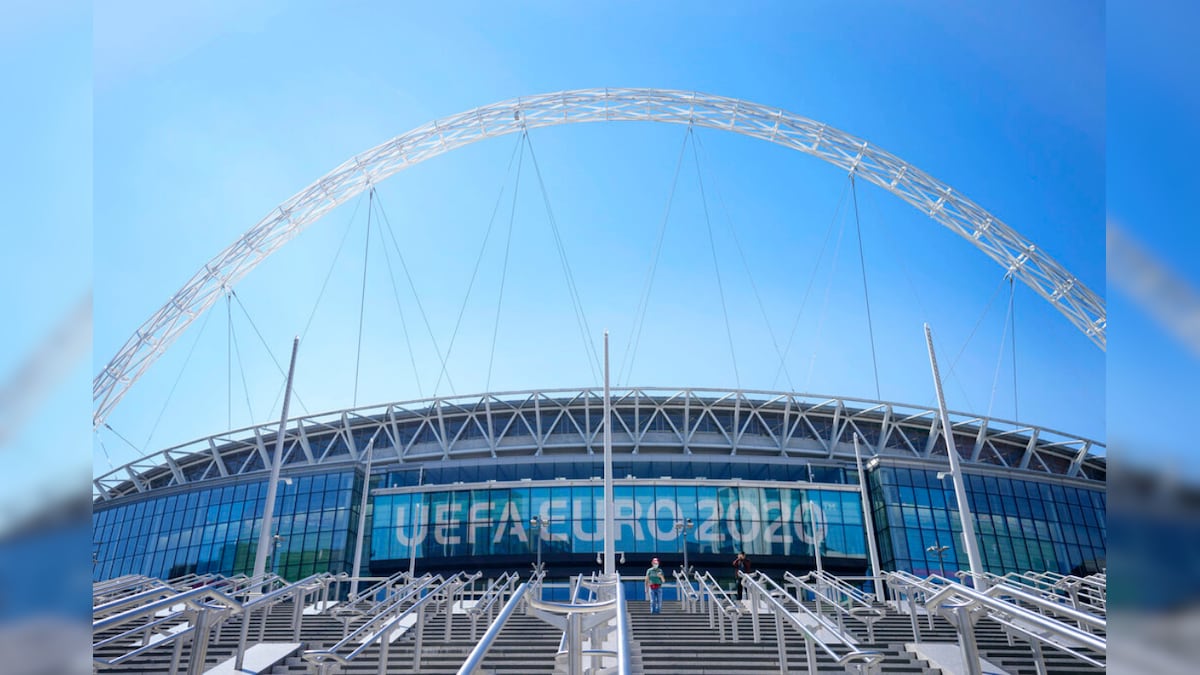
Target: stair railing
380,629
162,617
375,599
910,591
1067,591
689,597
491,598
474,660
194,610
594,620
843,600
721,608
1088,593
110,591
765,593
964,606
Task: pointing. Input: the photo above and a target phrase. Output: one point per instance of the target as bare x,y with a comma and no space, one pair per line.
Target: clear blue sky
205,118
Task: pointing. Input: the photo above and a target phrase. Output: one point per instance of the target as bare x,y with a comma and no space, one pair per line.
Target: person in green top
654,582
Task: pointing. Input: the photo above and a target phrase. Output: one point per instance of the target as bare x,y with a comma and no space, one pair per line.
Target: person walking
741,565
654,582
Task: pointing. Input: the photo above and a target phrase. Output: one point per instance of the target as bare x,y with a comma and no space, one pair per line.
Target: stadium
771,474
513,481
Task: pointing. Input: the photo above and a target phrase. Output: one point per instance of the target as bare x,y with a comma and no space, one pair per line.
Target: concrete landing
947,657
400,629
260,658
320,607
159,637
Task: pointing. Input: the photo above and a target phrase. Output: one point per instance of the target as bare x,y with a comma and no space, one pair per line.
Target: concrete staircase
671,642
895,629
679,642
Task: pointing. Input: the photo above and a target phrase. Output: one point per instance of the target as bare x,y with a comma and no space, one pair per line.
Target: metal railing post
199,643
574,645
420,639
781,643
810,654
297,614
385,642
966,639
754,615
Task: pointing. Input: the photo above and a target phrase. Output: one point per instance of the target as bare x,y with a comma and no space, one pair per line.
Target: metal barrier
413,602
689,597
491,597
1082,593
594,622
843,600
765,592
1018,612
164,617
475,658
721,607
372,601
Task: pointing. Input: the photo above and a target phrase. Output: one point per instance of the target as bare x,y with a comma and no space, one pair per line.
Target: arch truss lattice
1000,242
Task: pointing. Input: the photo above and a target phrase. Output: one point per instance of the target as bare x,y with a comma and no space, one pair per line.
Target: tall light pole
537,525
275,539
960,487
682,527
940,551
610,563
266,532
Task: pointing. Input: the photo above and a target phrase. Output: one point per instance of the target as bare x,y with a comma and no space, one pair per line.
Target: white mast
265,533
960,488
868,522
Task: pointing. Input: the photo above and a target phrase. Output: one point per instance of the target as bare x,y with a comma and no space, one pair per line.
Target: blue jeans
656,600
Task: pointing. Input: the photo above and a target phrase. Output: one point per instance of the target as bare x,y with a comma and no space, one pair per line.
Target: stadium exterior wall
772,474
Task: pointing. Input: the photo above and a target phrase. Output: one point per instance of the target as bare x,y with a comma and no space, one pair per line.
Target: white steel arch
1082,307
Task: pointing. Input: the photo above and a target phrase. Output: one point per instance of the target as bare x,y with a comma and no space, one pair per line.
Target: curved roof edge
563,422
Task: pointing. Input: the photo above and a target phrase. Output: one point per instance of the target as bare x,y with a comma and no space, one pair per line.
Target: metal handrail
369,602
203,608
374,589
857,609
475,658
1063,590
373,628
124,587
720,606
859,596
756,584
379,629
948,597
1092,589
571,644
689,597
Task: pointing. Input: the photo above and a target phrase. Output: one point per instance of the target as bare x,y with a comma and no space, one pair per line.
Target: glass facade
495,521
1021,524
216,530
476,514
